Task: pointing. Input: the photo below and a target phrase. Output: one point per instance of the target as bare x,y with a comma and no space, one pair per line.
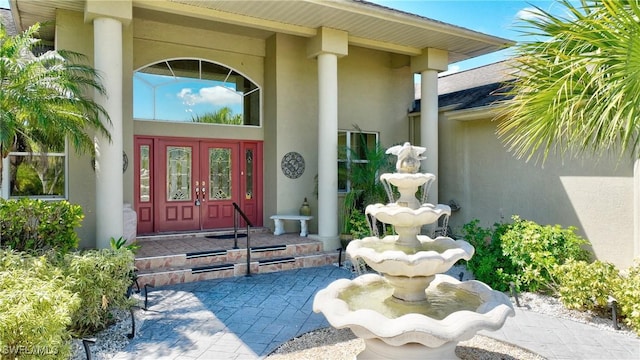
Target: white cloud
528,13
217,95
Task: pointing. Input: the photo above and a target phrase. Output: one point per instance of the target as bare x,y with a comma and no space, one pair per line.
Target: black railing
239,211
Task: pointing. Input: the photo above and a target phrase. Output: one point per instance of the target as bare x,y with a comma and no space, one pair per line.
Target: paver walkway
248,317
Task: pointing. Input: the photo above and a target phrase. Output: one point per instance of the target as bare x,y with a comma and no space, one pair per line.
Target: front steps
215,259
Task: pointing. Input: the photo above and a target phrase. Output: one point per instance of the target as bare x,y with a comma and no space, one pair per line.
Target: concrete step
197,272
171,259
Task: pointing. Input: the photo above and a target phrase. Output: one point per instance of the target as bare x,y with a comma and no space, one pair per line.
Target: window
352,146
36,175
192,90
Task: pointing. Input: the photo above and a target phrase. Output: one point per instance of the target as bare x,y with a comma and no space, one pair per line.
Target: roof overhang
477,113
368,25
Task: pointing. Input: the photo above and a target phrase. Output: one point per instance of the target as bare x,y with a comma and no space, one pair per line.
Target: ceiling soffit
368,25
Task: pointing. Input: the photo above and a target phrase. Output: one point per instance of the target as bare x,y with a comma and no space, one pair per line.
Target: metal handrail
235,234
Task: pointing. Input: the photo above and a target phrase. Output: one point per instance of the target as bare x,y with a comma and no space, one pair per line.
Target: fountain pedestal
376,349
409,288
411,310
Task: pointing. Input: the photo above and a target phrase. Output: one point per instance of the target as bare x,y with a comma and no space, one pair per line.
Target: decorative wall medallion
292,165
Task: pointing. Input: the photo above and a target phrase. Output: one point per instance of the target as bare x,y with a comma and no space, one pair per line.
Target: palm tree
224,115
577,89
44,98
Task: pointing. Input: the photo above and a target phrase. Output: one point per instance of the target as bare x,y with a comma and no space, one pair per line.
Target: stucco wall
491,185
290,125
375,89
74,35
375,92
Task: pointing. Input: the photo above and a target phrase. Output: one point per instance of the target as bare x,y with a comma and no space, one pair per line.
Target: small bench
279,230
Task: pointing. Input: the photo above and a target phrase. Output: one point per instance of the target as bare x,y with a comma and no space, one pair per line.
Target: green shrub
587,286
100,278
35,308
359,225
628,296
488,264
29,224
535,250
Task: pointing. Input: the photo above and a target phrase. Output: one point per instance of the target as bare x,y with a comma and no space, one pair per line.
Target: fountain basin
407,185
362,304
405,216
429,257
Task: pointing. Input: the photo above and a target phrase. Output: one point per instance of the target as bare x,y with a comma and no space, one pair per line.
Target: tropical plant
489,264
536,250
367,163
38,225
45,99
36,308
577,88
100,278
223,116
121,243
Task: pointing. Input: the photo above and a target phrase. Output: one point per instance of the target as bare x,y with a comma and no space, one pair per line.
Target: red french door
188,185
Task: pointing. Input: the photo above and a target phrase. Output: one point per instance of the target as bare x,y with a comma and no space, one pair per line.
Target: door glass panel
178,173
145,187
248,157
219,174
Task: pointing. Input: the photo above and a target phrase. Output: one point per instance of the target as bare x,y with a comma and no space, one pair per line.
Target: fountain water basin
410,310
416,330
406,220
407,184
429,257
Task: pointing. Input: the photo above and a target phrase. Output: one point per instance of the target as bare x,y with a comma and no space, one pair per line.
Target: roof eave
472,114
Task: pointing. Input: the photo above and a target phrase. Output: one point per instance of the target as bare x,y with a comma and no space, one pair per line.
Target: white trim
636,208
5,190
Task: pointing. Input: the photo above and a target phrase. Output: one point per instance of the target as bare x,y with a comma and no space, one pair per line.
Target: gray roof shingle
7,21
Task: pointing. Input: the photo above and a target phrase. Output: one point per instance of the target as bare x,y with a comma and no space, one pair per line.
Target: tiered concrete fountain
411,310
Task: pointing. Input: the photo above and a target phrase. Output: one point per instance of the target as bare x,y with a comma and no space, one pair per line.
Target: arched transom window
193,90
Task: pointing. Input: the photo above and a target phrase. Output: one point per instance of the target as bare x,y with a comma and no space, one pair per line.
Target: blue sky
493,17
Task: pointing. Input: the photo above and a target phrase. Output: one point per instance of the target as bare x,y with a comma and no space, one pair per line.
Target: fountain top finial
409,157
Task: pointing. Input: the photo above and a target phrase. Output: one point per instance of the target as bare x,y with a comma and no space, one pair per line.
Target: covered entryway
185,184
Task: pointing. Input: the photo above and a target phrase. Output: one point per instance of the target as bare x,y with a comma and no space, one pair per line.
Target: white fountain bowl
401,263
414,328
407,180
403,216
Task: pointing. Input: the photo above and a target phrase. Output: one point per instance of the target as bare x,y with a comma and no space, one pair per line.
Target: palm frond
577,87
47,98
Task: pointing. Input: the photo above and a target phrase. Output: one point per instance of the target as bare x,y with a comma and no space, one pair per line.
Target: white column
328,150
636,209
429,127
6,178
107,34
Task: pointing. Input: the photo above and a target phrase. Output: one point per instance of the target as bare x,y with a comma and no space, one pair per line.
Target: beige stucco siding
154,42
491,185
375,91
290,125
74,35
375,102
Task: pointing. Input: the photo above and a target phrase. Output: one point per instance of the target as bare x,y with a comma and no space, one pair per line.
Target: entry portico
319,68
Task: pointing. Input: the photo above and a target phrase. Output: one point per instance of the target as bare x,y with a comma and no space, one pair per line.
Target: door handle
204,190
197,203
